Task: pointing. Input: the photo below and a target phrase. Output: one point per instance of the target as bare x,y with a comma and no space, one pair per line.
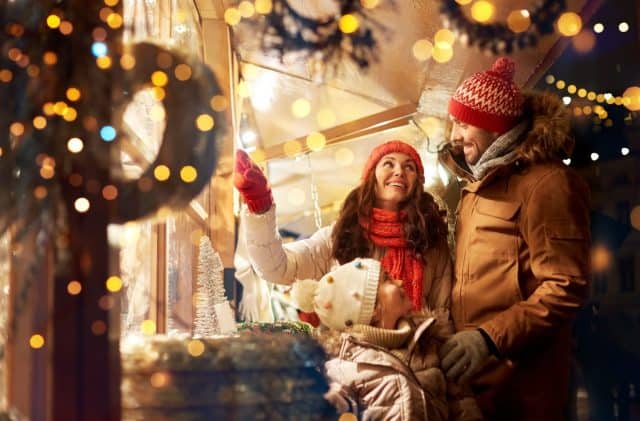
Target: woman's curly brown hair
425,226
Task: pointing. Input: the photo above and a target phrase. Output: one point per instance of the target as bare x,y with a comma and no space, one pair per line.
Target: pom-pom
504,67
302,294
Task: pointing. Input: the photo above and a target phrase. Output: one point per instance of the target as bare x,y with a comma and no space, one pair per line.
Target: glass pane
137,244
183,235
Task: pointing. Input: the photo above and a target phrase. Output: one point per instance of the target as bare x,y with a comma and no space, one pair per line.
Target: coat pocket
567,246
498,209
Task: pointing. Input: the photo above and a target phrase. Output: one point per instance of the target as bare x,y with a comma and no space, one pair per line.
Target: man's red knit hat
389,147
489,100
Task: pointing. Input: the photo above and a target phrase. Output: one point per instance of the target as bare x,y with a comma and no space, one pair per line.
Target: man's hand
463,355
253,186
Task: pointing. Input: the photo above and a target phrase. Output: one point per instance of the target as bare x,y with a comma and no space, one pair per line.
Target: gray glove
463,355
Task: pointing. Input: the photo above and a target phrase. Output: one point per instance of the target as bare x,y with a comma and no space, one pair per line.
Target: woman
388,217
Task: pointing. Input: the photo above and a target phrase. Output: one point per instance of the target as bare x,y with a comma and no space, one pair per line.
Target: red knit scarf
387,230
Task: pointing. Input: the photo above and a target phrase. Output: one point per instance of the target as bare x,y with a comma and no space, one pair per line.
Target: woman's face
396,177
393,303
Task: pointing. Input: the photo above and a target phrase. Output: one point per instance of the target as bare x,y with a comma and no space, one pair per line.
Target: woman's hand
252,184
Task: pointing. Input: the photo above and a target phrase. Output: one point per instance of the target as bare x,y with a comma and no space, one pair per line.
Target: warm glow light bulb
569,24
422,49
444,38
263,6
348,23
204,122
232,16
482,11
300,108
316,141
81,204
75,145
519,20
442,54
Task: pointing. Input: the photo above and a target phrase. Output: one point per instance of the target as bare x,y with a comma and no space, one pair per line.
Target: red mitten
253,186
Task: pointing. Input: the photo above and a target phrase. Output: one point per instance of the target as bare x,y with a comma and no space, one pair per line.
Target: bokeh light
204,122
584,41
161,172
482,11
74,287
159,78
75,145
113,283
183,72
601,258
634,217
292,148
300,108
348,23
36,341
344,157
444,38
569,24
159,379
109,192
232,16
598,28
246,9
107,133
188,174
98,327
53,21
81,204
633,95
263,6
326,117
195,348
442,54
219,103
316,141
422,49
519,20
148,327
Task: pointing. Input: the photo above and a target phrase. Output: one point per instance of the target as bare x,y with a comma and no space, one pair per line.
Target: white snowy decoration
213,313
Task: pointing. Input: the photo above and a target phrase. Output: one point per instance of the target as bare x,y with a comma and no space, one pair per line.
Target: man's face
474,140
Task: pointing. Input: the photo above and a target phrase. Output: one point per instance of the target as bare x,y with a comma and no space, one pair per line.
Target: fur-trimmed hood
548,137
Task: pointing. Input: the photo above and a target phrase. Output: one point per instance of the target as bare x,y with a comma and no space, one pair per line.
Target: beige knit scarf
501,152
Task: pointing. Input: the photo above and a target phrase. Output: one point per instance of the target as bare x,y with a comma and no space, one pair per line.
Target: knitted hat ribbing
389,147
344,297
489,100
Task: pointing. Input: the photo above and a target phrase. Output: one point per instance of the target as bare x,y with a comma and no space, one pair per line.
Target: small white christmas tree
213,314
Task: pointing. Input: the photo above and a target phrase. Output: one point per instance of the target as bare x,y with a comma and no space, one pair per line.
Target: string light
624,151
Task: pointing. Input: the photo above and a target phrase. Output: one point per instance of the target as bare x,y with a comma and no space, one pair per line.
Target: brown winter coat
522,267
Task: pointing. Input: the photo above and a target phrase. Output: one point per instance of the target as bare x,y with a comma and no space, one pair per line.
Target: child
384,361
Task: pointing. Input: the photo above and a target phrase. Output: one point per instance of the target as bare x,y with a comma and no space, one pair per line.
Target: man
522,247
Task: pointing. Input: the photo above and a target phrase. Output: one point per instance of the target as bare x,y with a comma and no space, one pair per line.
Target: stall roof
391,99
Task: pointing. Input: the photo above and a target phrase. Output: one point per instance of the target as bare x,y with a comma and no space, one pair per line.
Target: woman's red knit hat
489,100
389,147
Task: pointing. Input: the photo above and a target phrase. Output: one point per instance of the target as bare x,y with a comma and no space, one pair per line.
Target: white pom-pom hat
344,297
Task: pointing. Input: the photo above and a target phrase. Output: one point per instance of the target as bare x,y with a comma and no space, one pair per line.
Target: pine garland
497,38
285,31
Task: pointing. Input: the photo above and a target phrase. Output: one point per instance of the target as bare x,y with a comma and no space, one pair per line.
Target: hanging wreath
497,38
322,41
